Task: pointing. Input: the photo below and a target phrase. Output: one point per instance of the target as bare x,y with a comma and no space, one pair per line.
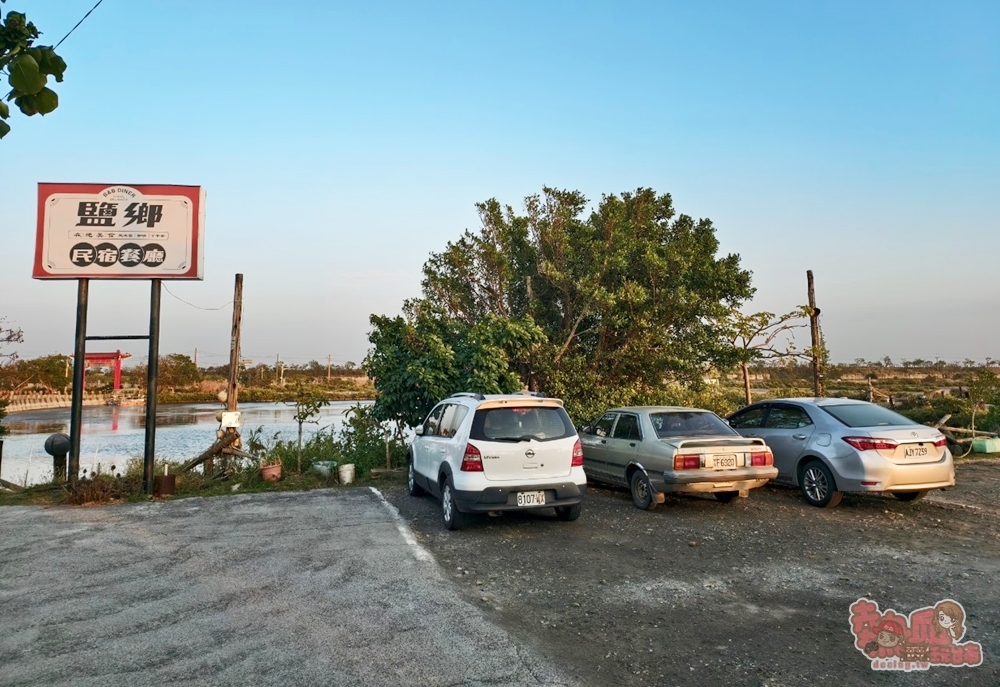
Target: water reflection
114,434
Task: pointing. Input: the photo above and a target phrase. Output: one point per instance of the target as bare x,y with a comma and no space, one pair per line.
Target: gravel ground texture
756,592
325,587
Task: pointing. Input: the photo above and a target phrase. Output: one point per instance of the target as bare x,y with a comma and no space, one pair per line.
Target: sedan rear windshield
867,415
521,424
689,424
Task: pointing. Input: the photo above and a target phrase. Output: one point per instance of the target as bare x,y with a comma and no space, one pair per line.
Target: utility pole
278,376
232,387
328,363
817,343
196,356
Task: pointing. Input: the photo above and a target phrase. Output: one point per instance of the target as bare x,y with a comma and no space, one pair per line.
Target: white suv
491,453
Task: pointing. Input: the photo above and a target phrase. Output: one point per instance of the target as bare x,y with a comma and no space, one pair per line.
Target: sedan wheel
642,491
818,486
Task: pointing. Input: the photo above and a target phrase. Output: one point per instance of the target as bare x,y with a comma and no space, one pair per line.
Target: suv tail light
578,454
940,443
472,461
761,459
871,444
689,462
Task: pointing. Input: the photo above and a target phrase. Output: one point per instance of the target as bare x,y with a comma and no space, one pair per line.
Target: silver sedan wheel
815,484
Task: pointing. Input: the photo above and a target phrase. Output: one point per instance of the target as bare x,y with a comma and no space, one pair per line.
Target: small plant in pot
268,461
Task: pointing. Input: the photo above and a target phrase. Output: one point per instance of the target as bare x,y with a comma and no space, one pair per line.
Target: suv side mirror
419,430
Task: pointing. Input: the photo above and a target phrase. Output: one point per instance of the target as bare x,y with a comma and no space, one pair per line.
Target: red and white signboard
117,231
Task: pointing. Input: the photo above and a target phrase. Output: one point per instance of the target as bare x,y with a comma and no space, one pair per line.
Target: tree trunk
299,457
746,383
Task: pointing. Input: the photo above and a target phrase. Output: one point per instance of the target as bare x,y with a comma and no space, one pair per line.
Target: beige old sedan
658,449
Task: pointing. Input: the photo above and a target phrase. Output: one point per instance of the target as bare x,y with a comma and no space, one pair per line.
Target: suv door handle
799,436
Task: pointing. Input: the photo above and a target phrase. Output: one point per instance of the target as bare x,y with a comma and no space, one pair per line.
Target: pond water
113,434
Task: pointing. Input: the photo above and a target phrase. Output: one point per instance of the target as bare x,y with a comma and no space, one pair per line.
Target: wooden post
234,346
817,343
232,387
329,360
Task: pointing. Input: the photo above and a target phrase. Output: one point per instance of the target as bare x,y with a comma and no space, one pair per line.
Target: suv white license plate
531,498
726,462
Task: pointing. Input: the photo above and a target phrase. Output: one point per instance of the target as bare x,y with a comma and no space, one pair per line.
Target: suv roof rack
467,394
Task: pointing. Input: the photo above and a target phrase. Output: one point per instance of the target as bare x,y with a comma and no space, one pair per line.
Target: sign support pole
152,369
79,366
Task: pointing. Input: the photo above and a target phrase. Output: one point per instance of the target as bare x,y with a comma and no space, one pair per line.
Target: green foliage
28,68
308,405
425,355
984,390
177,370
593,308
365,442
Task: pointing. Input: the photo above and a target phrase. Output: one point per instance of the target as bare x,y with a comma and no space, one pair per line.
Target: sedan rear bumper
873,473
702,481
505,497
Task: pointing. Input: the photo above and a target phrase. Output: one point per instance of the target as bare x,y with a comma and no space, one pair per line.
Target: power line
78,23
198,307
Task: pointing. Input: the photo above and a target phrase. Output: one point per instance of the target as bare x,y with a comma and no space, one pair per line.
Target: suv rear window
867,415
521,424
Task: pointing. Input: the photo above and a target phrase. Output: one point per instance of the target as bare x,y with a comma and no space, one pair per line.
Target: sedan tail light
761,459
578,454
940,443
687,462
472,461
872,444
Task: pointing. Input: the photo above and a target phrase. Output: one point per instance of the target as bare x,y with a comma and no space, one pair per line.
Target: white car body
499,452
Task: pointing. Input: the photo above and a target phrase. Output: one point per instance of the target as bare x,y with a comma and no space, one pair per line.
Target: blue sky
340,143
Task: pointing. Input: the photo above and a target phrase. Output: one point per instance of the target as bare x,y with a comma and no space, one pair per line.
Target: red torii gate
103,359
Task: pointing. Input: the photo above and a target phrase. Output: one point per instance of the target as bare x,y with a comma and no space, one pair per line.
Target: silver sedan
657,449
826,446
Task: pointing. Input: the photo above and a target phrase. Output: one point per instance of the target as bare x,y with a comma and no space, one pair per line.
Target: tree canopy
595,307
27,67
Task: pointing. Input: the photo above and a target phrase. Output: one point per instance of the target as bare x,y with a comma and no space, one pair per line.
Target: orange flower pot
271,473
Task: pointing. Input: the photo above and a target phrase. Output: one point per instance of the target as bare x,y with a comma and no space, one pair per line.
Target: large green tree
624,298
27,67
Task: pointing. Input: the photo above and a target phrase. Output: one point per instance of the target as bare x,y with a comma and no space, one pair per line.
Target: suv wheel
412,487
642,491
453,519
818,486
569,513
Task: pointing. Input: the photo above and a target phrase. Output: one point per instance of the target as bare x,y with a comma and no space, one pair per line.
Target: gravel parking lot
311,588
751,593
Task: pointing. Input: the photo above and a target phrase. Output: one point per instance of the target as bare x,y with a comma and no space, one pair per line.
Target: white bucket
346,473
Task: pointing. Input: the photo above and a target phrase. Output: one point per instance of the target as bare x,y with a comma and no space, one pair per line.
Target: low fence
20,403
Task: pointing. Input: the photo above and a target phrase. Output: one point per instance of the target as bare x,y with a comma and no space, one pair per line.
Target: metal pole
152,368
79,365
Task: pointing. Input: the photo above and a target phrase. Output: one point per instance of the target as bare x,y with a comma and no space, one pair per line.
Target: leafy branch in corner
27,67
